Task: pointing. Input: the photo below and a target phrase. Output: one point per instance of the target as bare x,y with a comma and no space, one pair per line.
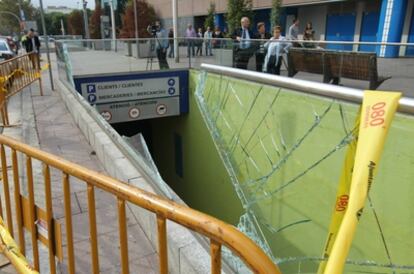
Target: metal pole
85,19
47,44
62,27
111,5
175,26
136,25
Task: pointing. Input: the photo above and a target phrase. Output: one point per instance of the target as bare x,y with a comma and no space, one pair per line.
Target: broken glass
284,152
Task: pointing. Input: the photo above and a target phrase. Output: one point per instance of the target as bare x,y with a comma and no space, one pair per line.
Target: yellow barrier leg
10,249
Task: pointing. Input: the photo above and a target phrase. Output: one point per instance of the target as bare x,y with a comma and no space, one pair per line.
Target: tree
75,23
52,21
275,13
209,22
120,11
8,23
236,9
95,22
146,16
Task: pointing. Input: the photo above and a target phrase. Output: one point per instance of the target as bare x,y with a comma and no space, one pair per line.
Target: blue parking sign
91,88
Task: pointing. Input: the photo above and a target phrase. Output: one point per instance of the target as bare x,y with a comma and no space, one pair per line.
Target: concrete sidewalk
44,122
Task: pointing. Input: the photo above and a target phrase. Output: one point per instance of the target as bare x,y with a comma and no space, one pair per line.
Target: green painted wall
205,184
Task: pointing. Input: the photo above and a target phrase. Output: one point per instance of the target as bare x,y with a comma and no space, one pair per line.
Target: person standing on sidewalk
190,35
162,46
171,42
244,48
276,47
219,35
31,44
208,35
293,32
261,51
199,42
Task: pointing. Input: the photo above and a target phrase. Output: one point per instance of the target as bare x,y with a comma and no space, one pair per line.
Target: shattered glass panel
137,146
284,152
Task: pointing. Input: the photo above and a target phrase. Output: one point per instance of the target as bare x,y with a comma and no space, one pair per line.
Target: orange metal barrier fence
217,231
16,74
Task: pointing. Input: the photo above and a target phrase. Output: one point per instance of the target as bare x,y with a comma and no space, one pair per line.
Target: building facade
333,20
61,9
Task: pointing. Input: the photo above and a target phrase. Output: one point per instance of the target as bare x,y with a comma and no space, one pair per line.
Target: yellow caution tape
45,67
17,73
10,249
342,196
377,112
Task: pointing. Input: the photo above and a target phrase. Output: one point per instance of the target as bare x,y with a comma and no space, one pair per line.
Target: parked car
5,51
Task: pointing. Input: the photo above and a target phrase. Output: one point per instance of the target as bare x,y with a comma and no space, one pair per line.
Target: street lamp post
136,24
85,19
111,5
175,26
47,44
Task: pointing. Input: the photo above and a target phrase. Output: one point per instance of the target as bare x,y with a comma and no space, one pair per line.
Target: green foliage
95,22
52,22
8,23
275,13
209,22
75,23
120,11
146,15
236,9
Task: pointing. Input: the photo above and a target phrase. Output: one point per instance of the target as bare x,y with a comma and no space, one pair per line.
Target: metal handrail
334,42
219,232
406,105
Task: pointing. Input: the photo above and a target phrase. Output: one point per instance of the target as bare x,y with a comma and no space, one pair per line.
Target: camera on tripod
153,29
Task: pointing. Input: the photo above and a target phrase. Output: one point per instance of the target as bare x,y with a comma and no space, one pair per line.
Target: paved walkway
58,134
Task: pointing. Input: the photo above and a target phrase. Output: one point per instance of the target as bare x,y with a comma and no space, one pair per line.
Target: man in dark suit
31,43
244,47
261,51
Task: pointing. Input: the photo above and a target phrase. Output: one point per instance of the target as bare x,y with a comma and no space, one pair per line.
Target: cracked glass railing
284,151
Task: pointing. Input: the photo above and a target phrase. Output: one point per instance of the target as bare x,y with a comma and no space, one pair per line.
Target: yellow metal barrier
16,74
217,231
